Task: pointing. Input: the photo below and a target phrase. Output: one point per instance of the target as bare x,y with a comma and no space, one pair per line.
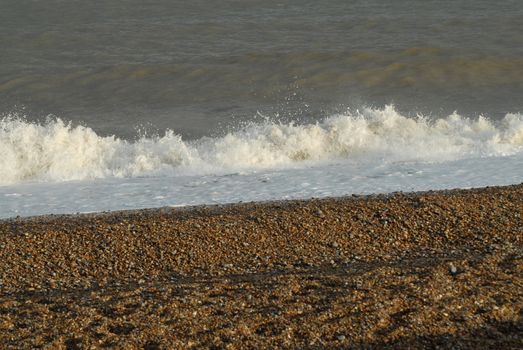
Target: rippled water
195,66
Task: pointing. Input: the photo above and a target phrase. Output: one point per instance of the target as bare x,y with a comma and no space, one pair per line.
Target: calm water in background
117,104
199,67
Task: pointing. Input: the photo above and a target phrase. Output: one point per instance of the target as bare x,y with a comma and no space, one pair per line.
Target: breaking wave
57,151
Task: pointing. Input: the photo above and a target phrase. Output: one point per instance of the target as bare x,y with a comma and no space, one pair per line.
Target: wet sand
422,270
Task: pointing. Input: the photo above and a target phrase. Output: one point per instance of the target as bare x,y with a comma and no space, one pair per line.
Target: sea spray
58,151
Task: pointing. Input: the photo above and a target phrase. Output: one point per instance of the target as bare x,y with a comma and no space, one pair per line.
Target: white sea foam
56,151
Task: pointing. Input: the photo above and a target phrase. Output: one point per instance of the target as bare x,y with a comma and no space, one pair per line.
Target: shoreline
218,206
420,269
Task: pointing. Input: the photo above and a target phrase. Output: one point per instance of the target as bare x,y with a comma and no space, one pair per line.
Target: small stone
340,337
453,270
335,244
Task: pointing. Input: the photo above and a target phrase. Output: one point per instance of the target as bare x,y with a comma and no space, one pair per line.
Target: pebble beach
438,269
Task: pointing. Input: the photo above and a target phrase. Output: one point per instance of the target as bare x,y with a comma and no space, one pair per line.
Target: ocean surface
127,104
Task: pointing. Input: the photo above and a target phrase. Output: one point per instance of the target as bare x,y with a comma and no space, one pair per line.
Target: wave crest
57,151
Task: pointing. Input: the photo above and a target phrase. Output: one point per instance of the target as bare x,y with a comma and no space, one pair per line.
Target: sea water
131,104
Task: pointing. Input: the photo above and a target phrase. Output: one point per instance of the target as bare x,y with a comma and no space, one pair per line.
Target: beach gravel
439,269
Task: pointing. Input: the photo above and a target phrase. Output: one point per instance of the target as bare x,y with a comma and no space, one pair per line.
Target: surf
56,150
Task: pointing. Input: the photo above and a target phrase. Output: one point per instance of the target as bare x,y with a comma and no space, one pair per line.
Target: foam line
56,151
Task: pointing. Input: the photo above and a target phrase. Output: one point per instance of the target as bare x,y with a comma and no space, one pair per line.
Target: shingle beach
404,270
